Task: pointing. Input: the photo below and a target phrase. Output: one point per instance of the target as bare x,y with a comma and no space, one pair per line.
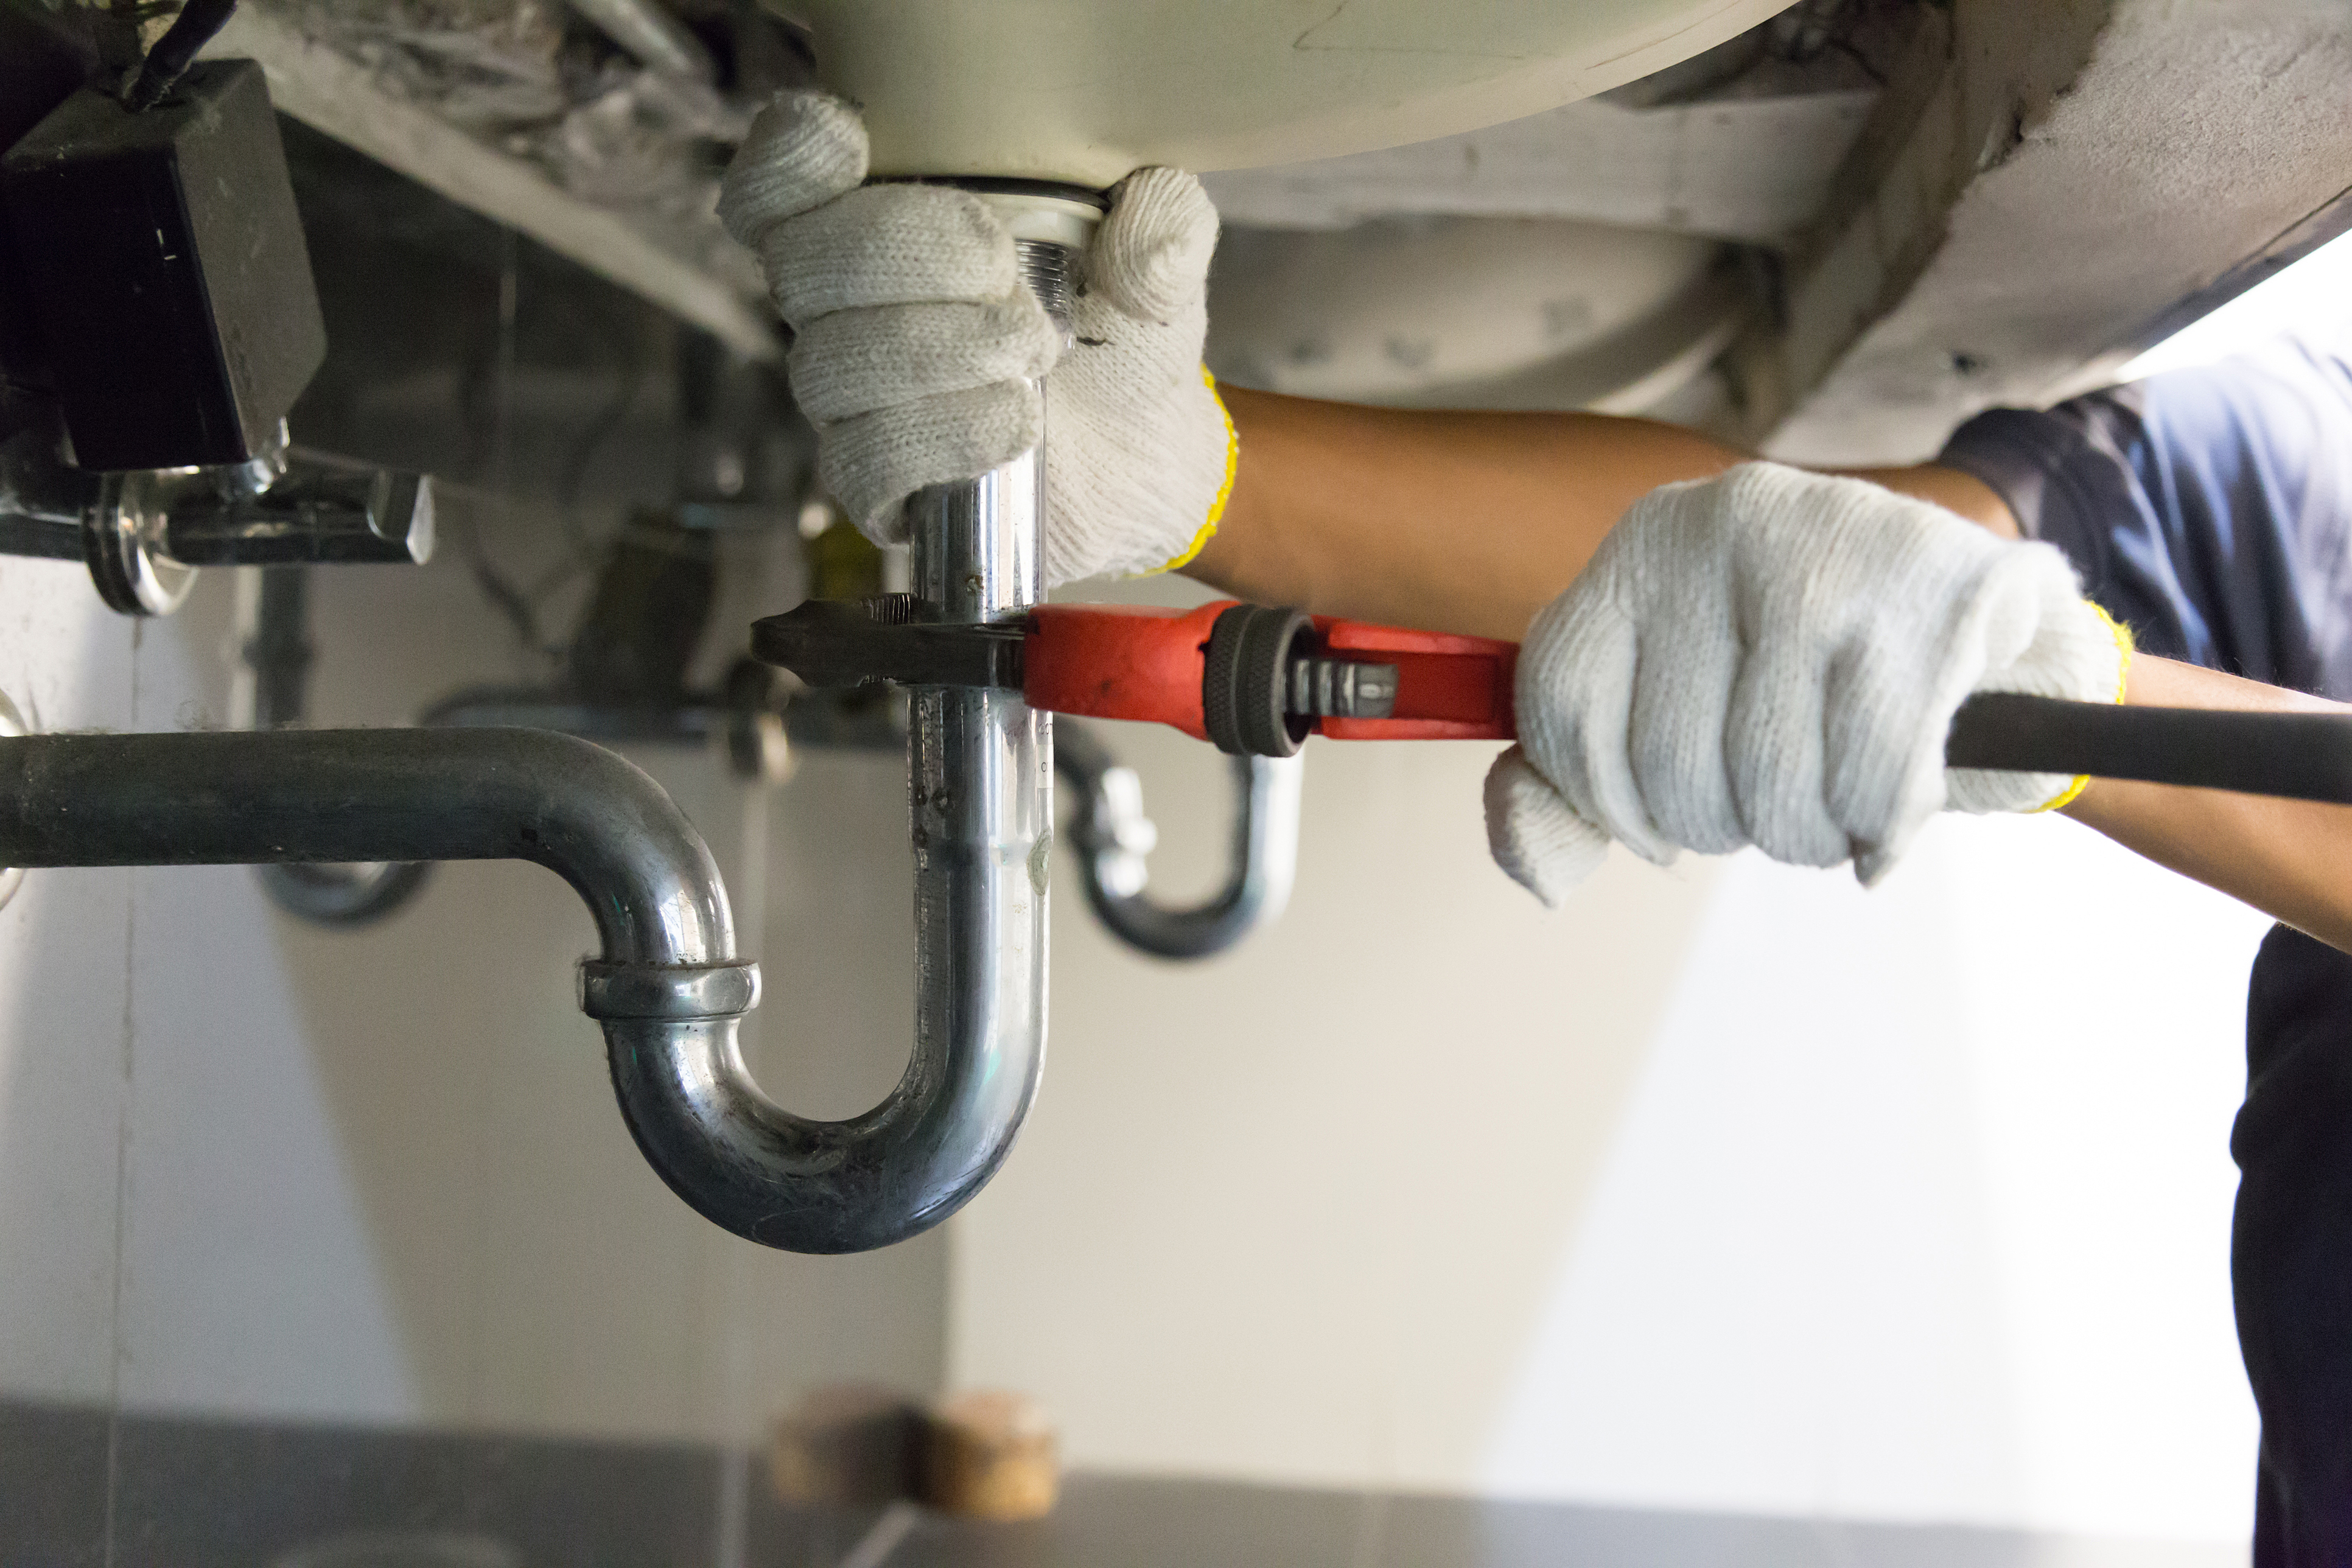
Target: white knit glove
1773,657
919,349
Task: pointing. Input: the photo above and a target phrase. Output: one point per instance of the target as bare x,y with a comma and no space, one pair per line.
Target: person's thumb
805,148
1151,258
1536,837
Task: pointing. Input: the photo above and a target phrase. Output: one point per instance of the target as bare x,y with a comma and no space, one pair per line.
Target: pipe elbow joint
748,1165
754,1169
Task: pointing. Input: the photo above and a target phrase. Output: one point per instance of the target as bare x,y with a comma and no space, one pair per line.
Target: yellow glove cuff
1224,492
2122,633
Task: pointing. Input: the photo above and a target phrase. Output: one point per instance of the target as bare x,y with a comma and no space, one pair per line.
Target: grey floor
78,1492
1164,1523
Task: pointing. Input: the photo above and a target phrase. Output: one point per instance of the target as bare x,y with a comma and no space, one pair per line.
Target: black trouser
2291,1248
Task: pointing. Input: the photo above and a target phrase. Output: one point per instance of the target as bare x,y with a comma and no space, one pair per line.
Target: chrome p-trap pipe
669,987
980,780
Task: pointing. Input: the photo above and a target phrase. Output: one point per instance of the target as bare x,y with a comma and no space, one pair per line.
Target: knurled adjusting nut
660,991
1244,687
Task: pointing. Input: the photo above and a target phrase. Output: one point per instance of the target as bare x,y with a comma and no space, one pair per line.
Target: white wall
1919,1210
258,1168
1730,1186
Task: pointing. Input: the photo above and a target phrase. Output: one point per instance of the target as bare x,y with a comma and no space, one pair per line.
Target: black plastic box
164,262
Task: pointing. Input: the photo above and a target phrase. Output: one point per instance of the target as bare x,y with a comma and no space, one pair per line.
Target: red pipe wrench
1257,680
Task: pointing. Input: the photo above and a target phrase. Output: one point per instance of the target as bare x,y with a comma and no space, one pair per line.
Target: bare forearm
1455,521
2290,859
1472,523
1462,522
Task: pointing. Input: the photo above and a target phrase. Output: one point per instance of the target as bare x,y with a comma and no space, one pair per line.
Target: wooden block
847,1444
988,1454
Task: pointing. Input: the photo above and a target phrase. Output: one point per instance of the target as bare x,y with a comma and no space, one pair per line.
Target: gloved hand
1773,657
917,347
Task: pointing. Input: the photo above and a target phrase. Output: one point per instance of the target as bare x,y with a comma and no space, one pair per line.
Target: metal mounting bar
145,532
659,41
747,717
320,513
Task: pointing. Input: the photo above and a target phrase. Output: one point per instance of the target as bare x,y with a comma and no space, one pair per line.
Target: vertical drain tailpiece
980,789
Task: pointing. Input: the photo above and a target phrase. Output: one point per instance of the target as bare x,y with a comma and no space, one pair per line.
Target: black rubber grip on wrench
1244,682
2299,756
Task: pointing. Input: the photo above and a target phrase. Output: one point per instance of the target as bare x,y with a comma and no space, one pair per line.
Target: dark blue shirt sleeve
2210,509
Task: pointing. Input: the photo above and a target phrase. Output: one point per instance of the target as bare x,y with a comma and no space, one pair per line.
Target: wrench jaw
841,643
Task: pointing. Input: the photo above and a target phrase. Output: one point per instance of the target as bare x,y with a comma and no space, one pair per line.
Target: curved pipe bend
1112,835
668,988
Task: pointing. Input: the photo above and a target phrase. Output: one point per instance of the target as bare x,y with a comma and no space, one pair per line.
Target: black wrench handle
2301,756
